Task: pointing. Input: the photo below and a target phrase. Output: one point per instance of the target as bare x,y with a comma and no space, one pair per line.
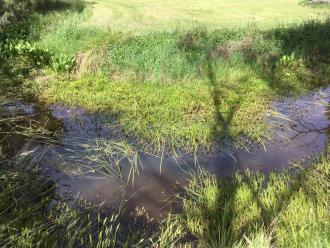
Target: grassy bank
169,83
191,89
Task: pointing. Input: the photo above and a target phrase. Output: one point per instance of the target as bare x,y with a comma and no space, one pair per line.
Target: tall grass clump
182,55
163,56
60,5
315,3
283,209
68,34
99,159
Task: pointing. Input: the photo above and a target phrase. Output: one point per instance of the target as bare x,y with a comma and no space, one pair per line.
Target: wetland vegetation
103,90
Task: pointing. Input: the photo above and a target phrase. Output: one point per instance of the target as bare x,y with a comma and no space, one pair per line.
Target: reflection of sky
306,136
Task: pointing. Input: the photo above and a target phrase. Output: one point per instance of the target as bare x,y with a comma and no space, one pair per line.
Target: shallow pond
80,153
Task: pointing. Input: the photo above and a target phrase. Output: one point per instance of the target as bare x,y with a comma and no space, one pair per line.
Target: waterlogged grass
281,209
33,214
100,159
183,115
286,209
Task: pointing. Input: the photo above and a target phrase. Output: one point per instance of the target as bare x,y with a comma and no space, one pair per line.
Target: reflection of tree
301,117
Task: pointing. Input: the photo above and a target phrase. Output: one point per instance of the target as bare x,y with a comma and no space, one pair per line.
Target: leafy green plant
38,56
291,69
289,61
25,48
62,63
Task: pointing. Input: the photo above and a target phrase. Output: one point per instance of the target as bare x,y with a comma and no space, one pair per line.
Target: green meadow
149,14
175,75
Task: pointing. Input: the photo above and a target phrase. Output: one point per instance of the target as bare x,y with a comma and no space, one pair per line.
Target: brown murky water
78,149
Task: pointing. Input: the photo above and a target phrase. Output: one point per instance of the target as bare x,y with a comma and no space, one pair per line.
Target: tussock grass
99,159
68,34
285,209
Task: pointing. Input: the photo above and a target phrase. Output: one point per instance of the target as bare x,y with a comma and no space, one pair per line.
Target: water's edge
80,155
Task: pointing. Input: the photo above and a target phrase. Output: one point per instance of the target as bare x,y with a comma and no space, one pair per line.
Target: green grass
27,220
285,209
180,115
281,209
34,214
151,14
68,35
